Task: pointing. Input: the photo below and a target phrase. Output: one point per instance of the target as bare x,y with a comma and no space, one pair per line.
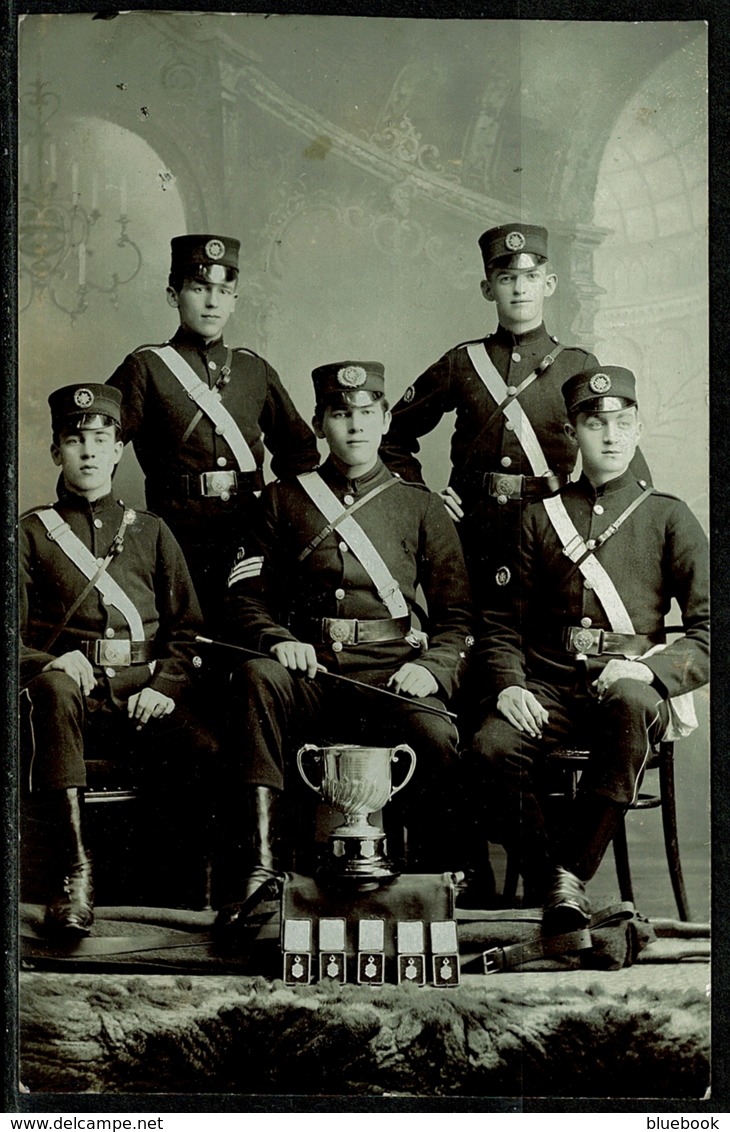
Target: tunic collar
334,477
185,337
628,479
506,337
74,502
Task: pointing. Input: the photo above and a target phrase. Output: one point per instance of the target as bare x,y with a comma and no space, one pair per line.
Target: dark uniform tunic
481,446
156,413
413,533
152,572
658,554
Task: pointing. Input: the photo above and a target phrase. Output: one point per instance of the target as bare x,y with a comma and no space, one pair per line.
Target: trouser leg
56,721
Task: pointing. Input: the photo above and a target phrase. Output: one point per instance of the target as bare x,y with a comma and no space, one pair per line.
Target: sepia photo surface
358,160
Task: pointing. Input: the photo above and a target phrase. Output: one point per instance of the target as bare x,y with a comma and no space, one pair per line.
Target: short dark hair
330,403
77,424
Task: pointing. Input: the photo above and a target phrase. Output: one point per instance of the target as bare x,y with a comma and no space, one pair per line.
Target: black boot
595,821
263,818
71,911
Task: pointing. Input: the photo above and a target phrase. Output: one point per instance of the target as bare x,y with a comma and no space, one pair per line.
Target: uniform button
501,499
104,598
110,672
591,544
512,389
586,622
509,426
337,646
225,496
218,431
506,461
109,632
339,594
516,357
588,585
343,547
348,499
598,509
98,524
642,483
99,561
212,365
221,461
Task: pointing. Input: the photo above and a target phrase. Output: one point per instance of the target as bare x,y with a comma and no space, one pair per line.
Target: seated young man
571,657
313,592
108,619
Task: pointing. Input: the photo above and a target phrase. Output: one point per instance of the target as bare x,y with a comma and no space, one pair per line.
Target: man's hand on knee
523,710
77,666
297,656
148,704
622,670
413,680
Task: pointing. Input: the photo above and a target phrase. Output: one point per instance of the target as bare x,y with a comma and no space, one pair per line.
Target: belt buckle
586,641
218,484
492,960
114,654
505,485
343,631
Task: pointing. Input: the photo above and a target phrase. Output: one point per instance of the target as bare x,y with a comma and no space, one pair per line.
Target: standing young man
577,655
509,446
198,412
108,619
339,558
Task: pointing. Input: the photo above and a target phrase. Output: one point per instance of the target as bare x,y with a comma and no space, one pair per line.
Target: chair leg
511,877
671,840
621,857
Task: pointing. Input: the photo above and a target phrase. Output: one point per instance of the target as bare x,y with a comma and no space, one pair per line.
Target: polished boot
70,913
595,821
263,818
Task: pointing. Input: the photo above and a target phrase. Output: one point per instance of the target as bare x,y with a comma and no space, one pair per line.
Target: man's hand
148,704
75,665
622,670
413,680
298,657
523,710
453,503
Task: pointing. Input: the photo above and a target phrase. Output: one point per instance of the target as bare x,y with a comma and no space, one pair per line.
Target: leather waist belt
504,487
351,631
117,654
596,642
214,485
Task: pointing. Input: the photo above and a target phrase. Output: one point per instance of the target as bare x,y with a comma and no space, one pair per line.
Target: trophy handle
412,767
300,756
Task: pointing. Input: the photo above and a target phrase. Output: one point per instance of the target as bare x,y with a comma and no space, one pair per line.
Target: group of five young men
545,599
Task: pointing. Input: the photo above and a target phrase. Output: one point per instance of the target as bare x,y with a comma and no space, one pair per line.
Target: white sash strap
327,502
590,568
82,558
514,412
209,402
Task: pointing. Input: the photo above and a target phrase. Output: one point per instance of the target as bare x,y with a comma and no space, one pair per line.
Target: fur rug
584,1035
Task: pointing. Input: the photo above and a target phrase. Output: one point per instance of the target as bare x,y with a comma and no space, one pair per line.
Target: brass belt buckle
114,654
504,487
343,631
586,641
220,484
493,960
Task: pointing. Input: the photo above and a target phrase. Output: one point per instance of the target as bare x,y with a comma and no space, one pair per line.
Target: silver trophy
357,781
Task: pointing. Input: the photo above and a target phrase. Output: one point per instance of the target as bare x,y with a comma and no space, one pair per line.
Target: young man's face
87,457
204,308
354,433
607,442
519,295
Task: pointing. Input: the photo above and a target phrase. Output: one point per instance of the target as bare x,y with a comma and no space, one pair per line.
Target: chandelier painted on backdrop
59,253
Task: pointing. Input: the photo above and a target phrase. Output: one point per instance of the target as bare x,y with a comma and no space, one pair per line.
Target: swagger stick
336,676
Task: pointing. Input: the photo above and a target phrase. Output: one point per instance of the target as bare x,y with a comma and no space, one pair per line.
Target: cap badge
600,383
503,576
84,398
409,394
214,249
352,376
515,241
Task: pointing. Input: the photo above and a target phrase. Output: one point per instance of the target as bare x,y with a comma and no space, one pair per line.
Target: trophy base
358,860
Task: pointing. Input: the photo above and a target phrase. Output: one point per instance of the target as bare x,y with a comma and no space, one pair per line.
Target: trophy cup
357,781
